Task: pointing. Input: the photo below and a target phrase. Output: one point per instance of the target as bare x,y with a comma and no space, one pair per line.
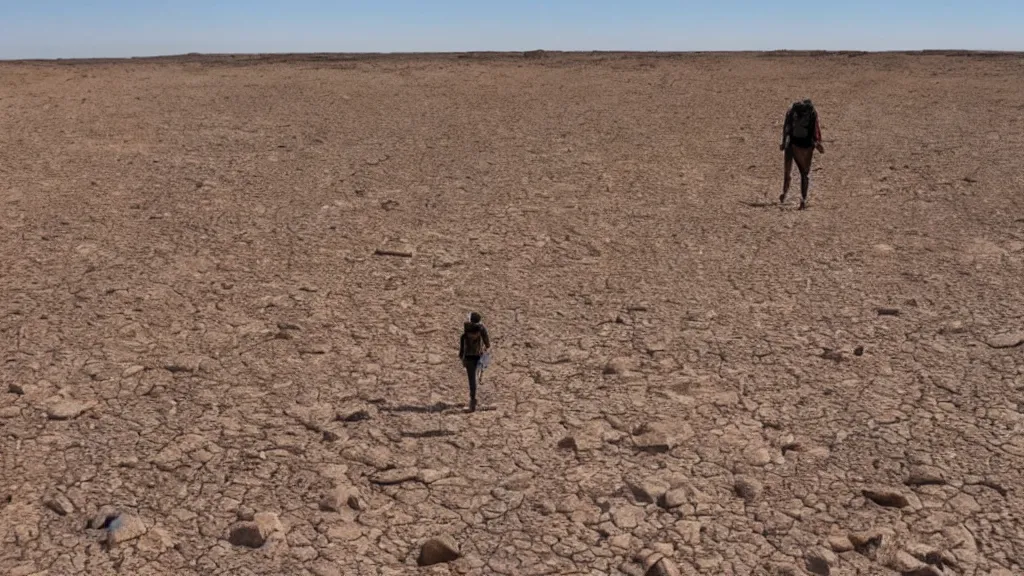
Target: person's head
475,317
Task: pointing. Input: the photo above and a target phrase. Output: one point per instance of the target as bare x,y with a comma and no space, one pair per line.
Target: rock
15,388
434,359
757,454
438,550
868,541
905,564
657,564
818,563
340,497
183,364
885,311
858,351
748,488
132,371
887,497
925,476
618,366
626,516
395,476
67,409
123,528
676,497
648,490
1007,340
254,533
60,504
428,476
355,413
661,438
840,544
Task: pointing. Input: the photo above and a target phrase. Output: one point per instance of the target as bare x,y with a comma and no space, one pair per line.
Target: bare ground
197,333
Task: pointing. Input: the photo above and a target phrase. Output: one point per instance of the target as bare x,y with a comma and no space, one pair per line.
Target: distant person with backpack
801,135
473,344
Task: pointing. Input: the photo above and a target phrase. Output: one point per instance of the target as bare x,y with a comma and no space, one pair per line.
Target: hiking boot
472,405
782,199
803,205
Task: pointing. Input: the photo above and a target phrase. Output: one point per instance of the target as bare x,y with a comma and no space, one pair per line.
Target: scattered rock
887,497
395,476
660,438
888,311
858,351
1006,340
840,544
867,542
60,504
925,476
648,490
340,497
183,364
833,355
123,528
15,388
355,413
657,564
132,371
439,550
818,563
748,488
428,476
67,409
253,534
156,541
568,443
618,366
757,454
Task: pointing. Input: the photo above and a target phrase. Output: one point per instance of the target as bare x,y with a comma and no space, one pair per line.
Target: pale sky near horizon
119,28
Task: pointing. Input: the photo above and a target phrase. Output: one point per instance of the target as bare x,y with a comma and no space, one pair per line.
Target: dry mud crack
231,291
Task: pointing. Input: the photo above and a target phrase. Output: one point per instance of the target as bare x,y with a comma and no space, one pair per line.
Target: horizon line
537,53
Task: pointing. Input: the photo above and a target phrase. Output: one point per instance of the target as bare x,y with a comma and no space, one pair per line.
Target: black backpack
474,340
802,127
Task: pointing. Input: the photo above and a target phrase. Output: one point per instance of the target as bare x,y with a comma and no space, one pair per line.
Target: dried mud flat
208,370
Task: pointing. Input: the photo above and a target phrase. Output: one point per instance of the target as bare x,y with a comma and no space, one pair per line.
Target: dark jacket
470,327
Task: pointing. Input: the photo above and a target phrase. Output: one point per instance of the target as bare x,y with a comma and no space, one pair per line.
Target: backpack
802,127
474,340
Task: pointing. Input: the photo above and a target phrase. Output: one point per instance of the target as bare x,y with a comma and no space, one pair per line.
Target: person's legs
471,365
803,157
787,170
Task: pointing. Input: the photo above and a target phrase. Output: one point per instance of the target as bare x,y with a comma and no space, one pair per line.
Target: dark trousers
471,363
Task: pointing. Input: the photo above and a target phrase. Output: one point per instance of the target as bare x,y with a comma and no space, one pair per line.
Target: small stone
355,413
124,528
183,364
395,476
748,488
132,371
676,497
434,359
858,351
925,476
439,550
1007,340
428,476
886,497
840,544
253,534
817,563
757,455
648,490
60,504
885,311
156,541
626,516
67,409
617,366
15,388
660,565
904,563
340,497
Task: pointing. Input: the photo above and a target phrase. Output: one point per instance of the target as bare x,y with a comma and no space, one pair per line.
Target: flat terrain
208,370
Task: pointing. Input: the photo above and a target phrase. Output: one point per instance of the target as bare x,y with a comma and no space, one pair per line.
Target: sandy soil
207,369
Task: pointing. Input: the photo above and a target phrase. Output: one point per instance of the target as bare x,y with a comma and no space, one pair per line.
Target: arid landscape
209,366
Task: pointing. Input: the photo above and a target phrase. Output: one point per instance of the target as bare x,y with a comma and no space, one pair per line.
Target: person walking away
473,344
801,135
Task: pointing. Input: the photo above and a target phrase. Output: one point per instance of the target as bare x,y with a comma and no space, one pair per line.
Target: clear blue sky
92,28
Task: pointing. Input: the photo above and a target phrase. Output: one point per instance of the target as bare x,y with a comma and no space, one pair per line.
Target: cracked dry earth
208,369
